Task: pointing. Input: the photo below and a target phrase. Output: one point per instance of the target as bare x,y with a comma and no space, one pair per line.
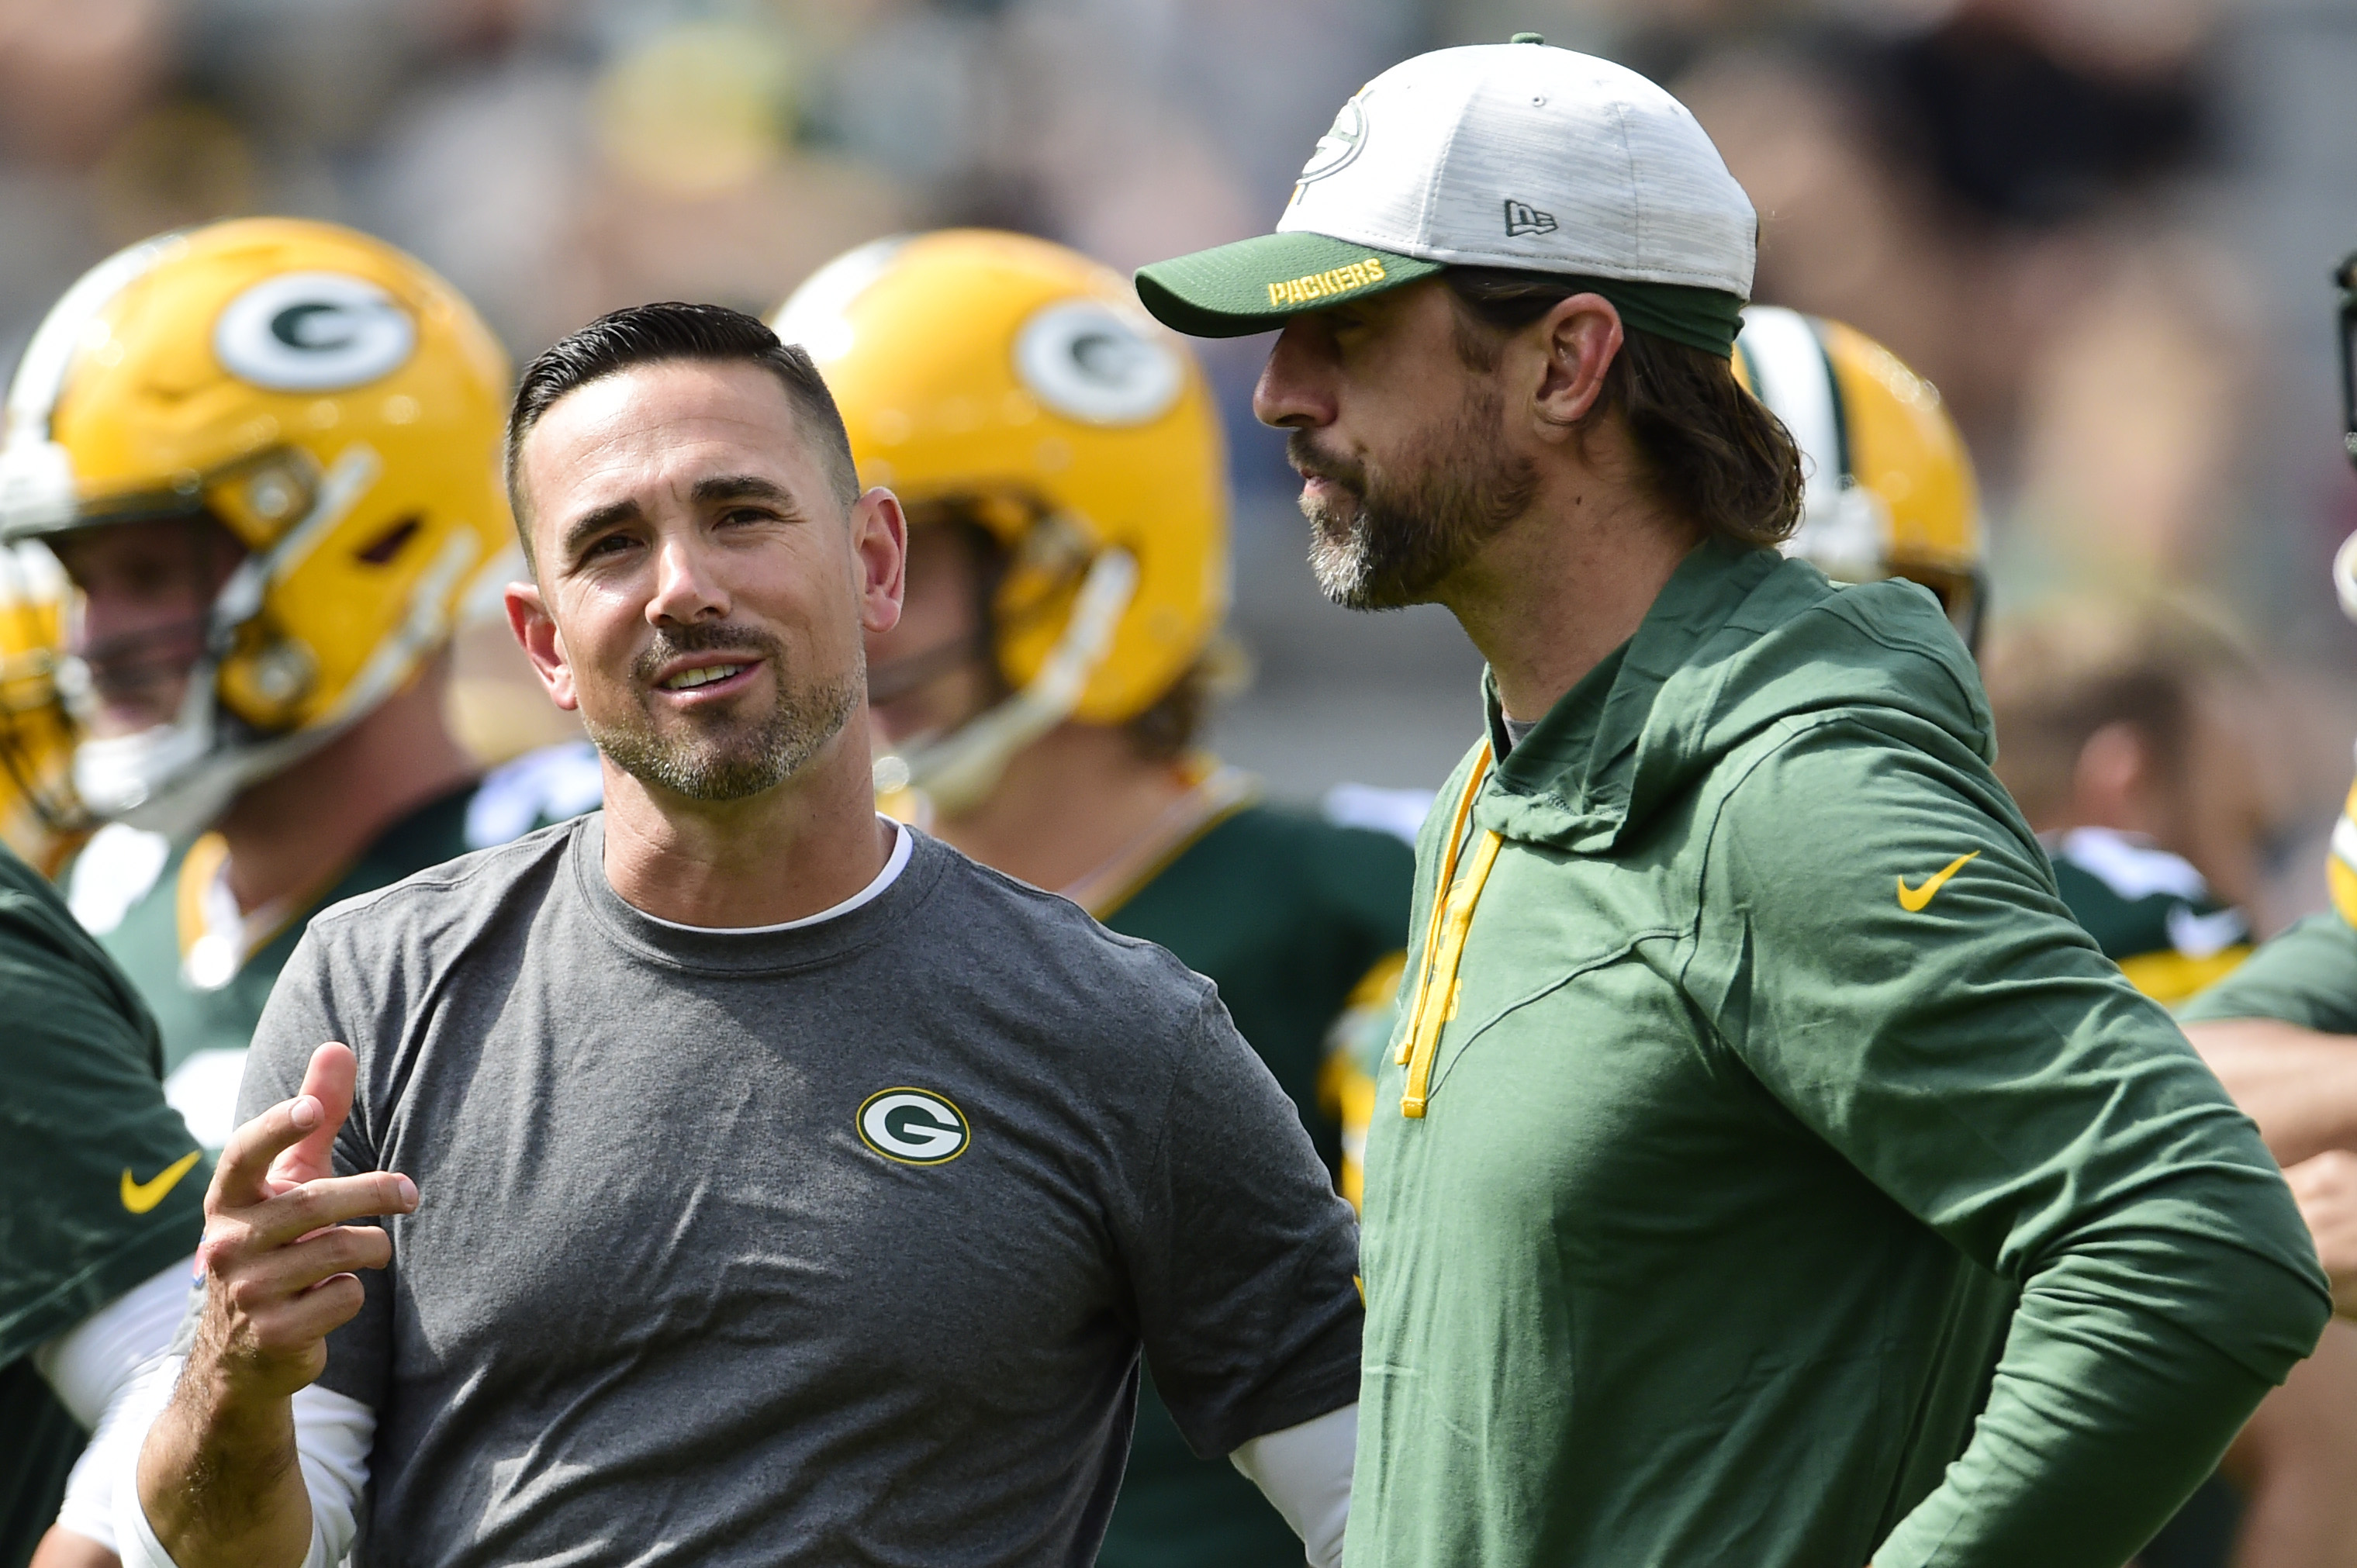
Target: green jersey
204,967
101,1185
2306,975
1769,1170
1287,915
2150,911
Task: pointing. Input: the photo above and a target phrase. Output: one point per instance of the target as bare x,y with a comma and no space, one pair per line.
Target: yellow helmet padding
1022,377
353,448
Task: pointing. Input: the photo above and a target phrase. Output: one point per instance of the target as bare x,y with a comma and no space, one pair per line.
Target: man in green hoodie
1767,1170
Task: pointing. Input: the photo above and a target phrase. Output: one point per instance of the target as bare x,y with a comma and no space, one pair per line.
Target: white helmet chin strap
956,771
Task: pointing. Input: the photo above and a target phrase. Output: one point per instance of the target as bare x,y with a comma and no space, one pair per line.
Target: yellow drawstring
1444,948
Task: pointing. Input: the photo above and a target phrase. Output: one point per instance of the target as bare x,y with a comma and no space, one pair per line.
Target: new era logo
1522,219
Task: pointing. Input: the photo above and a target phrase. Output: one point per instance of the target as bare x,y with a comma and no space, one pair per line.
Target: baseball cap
1510,155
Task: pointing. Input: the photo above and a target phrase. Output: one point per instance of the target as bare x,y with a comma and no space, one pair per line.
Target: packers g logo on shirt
913,1126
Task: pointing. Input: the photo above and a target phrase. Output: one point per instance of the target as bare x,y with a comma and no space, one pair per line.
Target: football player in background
265,452
2123,733
1044,693
1887,488
100,1186
2278,1032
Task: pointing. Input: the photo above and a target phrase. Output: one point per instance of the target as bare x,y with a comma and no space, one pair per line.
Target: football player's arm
1942,1024
2326,1189
1241,1260
2278,1033
96,1369
219,1478
1305,1473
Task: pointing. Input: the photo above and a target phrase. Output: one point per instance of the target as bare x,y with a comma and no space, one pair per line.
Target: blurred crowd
2028,201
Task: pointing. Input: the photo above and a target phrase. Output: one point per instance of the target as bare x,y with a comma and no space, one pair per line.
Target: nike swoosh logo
139,1196
1913,898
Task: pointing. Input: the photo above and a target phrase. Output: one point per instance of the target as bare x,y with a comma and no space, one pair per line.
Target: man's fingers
328,1078
242,1176
285,1272
315,1205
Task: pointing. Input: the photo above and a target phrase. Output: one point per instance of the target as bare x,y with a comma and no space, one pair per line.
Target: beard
1404,529
721,755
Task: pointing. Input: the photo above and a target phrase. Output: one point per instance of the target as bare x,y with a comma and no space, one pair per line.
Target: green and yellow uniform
2150,911
101,1185
204,970
2306,975
1769,1170
1293,918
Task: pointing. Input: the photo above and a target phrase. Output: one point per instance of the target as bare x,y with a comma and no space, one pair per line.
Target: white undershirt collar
894,864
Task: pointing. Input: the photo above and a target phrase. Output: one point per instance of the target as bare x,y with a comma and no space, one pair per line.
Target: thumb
329,1078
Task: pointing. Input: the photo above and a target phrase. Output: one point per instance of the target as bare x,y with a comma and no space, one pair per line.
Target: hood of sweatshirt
1740,641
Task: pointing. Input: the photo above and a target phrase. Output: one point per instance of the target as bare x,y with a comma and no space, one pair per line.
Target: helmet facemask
332,407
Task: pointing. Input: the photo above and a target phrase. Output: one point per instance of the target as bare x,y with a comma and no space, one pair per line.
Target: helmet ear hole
380,551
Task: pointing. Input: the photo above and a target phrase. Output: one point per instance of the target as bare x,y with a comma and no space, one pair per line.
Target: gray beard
721,761
1395,539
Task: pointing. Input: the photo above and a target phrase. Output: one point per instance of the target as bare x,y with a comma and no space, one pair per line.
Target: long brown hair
1709,449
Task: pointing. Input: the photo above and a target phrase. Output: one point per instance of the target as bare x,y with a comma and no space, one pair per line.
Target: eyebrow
719,487
744,487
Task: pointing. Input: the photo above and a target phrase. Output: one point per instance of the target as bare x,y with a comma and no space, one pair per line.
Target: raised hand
219,1479
277,1257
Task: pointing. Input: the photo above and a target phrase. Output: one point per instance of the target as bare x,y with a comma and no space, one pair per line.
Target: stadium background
2103,228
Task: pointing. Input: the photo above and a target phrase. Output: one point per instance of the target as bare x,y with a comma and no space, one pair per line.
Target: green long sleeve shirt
1796,1183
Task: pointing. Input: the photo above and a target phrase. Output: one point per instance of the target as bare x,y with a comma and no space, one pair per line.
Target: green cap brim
1253,284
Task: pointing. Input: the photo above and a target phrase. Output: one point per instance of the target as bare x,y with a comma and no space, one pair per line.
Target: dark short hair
1709,449
650,333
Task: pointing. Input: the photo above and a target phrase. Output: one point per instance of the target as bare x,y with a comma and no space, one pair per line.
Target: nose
1296,387
687,587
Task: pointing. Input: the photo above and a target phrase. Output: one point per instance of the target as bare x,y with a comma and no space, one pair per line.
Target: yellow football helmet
333,404
39,818
1888,490
1022,381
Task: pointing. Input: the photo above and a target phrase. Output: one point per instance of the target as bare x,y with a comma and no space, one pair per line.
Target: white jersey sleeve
1305,1471
94,1369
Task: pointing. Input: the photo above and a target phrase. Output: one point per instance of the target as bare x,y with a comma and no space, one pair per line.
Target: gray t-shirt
828,1245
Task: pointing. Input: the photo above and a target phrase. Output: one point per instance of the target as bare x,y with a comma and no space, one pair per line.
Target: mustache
1312,463
671,642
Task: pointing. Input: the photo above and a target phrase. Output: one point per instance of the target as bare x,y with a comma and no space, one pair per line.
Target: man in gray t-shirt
836,1242
738,1179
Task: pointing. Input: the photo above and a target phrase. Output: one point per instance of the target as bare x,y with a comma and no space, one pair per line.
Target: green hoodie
1743,1188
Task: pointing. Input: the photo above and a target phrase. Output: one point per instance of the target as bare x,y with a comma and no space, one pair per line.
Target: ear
1580,338
2112,776
536,634
879,548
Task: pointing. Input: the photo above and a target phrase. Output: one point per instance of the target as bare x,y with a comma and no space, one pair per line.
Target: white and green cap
1493,155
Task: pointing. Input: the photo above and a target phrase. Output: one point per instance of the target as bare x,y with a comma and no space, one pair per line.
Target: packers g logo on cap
313,332
1341,143
913,1126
